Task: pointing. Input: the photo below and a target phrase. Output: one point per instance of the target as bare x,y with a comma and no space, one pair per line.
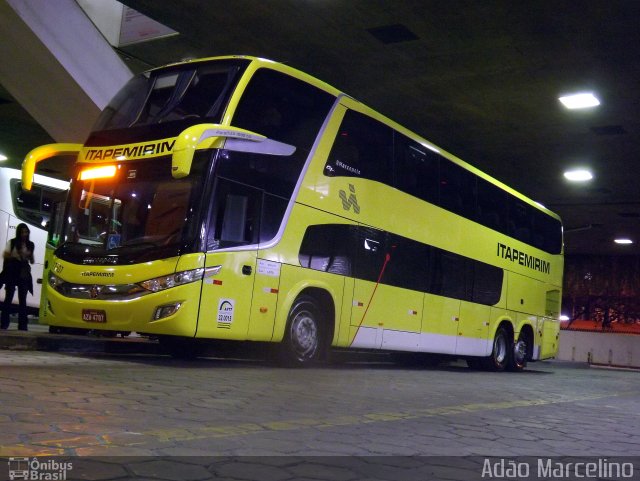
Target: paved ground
85,402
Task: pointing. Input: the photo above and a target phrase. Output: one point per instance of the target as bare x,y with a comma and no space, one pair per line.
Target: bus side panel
439,324
550,336
525,294
265,300
473,329
343,329
294,280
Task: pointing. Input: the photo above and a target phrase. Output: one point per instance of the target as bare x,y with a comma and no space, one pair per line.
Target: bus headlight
173,280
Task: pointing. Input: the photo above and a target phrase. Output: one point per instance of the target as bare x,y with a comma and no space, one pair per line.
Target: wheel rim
520,352
304,335
500,349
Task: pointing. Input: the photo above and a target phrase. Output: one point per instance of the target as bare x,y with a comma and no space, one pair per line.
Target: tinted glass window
273,209
328,248
408,265
397,261
235,215
457,190
449,275
193,91
370,253
362,148
487,283
34,206
283,108
275,174
520,220
492,205
416,169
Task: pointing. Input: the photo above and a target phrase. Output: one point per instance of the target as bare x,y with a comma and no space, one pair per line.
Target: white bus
33,207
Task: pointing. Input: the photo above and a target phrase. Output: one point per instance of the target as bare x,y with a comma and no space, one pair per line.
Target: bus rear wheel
518,360
501,353
303,342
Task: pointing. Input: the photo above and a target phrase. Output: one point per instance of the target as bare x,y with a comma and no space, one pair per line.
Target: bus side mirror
204,136
42,153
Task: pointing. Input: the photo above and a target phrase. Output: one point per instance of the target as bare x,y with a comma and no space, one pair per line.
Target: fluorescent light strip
579,101
578,175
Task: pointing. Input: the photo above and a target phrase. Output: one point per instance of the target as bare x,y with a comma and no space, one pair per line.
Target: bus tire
303,341
518,359
501,352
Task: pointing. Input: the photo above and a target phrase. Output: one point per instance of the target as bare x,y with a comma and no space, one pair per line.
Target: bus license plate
94,315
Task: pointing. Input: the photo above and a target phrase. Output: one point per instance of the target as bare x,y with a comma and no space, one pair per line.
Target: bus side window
370,253
457,190
520,220
235,215
492,205
283,108
362,148
416,169
408,264
327,248
28,205
234,219
449,274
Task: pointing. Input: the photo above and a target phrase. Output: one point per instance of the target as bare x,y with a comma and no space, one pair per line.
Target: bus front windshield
139,213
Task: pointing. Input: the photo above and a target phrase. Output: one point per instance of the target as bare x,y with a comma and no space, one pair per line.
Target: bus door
232,250
225,303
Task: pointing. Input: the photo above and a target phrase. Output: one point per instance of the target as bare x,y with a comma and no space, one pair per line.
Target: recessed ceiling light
3,158
579,101
578,175
623,241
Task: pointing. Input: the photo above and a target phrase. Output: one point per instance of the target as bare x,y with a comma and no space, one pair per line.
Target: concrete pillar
57,65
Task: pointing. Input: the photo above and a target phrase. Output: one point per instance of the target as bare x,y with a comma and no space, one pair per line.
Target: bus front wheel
302,342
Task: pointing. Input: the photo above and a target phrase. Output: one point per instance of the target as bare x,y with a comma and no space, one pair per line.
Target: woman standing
16,272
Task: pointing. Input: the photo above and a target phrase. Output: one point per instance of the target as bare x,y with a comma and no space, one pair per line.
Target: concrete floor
377,414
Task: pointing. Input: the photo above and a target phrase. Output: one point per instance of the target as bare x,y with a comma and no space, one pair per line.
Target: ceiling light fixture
579,101
3,158
578,175
623,241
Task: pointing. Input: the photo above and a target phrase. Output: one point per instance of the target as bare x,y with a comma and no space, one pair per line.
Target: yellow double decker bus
236,198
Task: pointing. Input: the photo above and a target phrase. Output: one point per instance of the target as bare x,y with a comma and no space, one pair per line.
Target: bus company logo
131,152
97,274
225,313
351,201
38,470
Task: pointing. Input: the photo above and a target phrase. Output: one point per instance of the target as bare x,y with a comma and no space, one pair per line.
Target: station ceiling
480,79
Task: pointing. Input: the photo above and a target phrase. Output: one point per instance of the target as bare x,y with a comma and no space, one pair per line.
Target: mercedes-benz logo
94,291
